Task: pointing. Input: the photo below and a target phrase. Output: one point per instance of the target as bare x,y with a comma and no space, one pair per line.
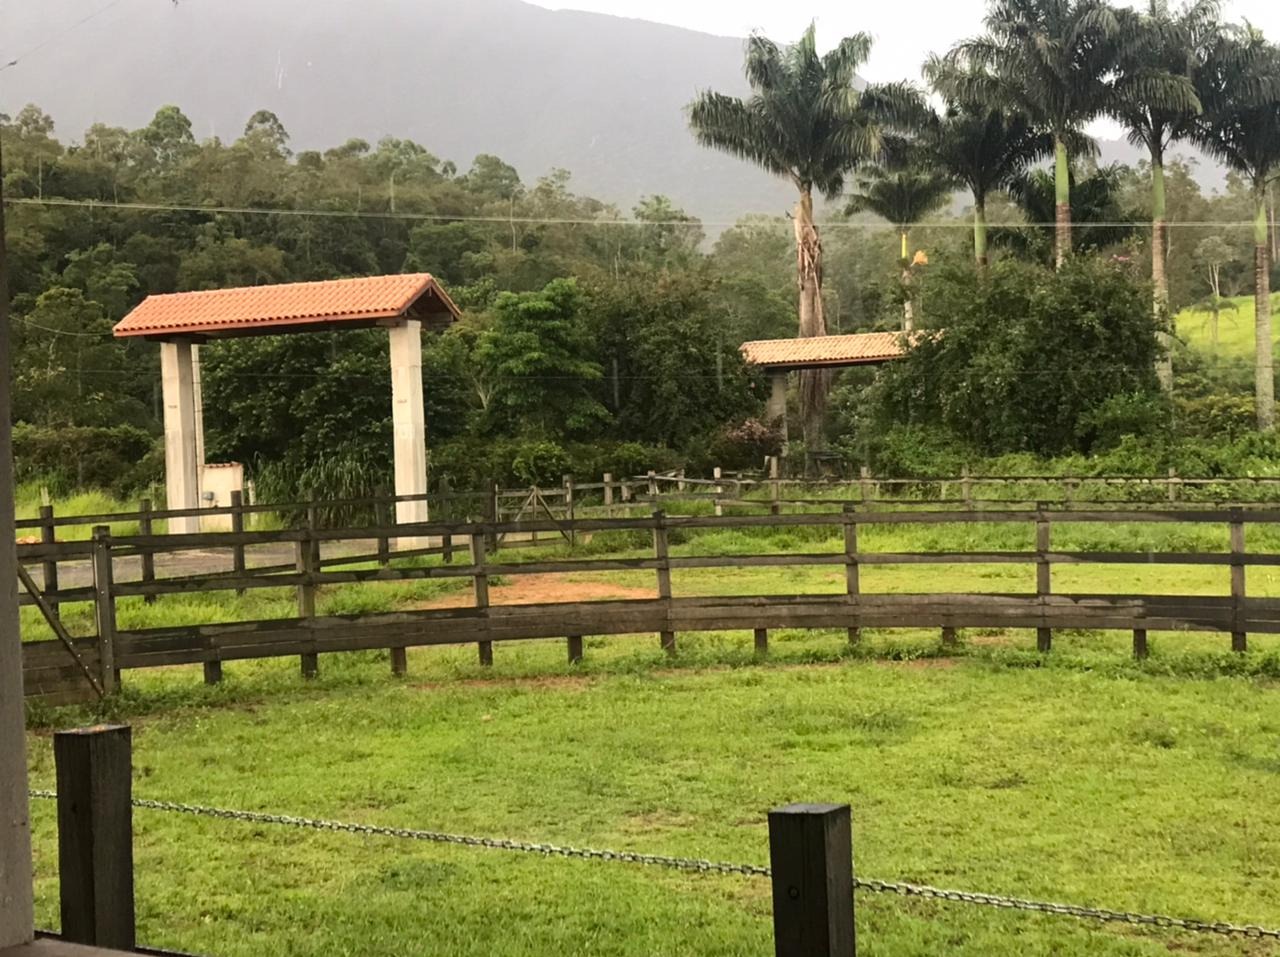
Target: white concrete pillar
777,409
198,394
181,461
409,422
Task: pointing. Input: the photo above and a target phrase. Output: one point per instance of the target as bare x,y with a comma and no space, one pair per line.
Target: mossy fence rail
73,668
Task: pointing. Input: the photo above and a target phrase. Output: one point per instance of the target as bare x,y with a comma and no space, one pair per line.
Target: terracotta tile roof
819,351
251,308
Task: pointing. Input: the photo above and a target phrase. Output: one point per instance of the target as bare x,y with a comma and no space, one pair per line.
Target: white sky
904,31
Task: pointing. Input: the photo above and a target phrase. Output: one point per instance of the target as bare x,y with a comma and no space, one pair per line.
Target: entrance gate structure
179,322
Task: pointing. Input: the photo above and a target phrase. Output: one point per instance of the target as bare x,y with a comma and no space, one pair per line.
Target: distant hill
601,96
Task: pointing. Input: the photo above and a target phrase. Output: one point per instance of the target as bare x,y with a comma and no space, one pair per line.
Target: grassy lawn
1081,777
1235,327
1079,784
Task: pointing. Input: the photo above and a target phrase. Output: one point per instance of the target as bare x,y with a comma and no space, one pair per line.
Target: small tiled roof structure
822,352
291,307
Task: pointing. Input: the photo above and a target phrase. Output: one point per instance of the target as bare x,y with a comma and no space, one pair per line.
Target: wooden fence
67,669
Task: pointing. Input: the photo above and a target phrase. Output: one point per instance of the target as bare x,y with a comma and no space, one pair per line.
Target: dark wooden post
237,527
851,577
146,557
1044,636
382,519
662,551
949,639
811,859
95,836
762,641
306,566
491,510
1140,643
1239,639
49,567
575,649
480,588
104,608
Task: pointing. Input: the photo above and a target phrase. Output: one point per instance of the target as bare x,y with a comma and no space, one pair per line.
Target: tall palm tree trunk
980,232
1062,209
908,307
814,383
1159,275
1264,373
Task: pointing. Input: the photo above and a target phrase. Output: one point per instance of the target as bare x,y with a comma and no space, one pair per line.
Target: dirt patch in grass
543,590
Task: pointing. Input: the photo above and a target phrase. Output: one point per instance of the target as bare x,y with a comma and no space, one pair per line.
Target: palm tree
1051,60
903,196
1239,86
1098,217
807,121
985,149
1162,44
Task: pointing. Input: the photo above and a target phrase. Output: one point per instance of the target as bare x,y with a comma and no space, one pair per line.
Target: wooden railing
52,672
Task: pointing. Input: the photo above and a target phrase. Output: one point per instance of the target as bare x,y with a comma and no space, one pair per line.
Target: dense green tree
1099,220
806,120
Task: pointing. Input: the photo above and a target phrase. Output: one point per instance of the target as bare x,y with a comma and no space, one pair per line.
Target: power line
62,332
93,204
58,36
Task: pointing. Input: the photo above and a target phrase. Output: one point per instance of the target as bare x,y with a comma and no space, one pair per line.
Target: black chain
1250,931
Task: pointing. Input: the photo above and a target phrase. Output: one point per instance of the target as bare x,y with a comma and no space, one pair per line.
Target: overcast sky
904,31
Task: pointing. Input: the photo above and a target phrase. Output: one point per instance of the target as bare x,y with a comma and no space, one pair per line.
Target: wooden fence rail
57,669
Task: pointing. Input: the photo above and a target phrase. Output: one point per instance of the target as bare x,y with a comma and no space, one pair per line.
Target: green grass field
1082,777
1235,327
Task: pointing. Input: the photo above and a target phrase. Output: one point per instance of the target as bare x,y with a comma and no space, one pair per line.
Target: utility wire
551,221
57,36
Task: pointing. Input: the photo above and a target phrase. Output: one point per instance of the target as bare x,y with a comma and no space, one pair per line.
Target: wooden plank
95,835
49,569
147,558
851,574
306,555
480,593
1044,583
811,860
55,625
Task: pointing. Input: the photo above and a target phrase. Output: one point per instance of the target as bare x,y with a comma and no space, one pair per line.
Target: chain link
903,889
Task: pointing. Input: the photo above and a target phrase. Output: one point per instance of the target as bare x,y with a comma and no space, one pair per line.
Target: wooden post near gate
662,551
104,608
569,509
717,473
307,552
237,526
851,577
491,510
1239,640
1173,485
49,568
811,864
575,649
146,557
480,591
762,641
95,836
775,487
1140,643
1044,636
608,494
381,518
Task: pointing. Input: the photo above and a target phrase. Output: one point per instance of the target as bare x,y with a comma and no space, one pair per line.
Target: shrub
121,459
745,444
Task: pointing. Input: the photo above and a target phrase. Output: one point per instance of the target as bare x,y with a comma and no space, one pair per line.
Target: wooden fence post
680,483
653,483
865,484
306,566
575,649
775,487
1044,585
104,604
1239,638
624,491
811,859
480,589
1140,643
718,473
851,577
146,557
95,836
662,551
569,509
49,567
1173,484
607,482
966,487
762,641
381,518
494,515
237,526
